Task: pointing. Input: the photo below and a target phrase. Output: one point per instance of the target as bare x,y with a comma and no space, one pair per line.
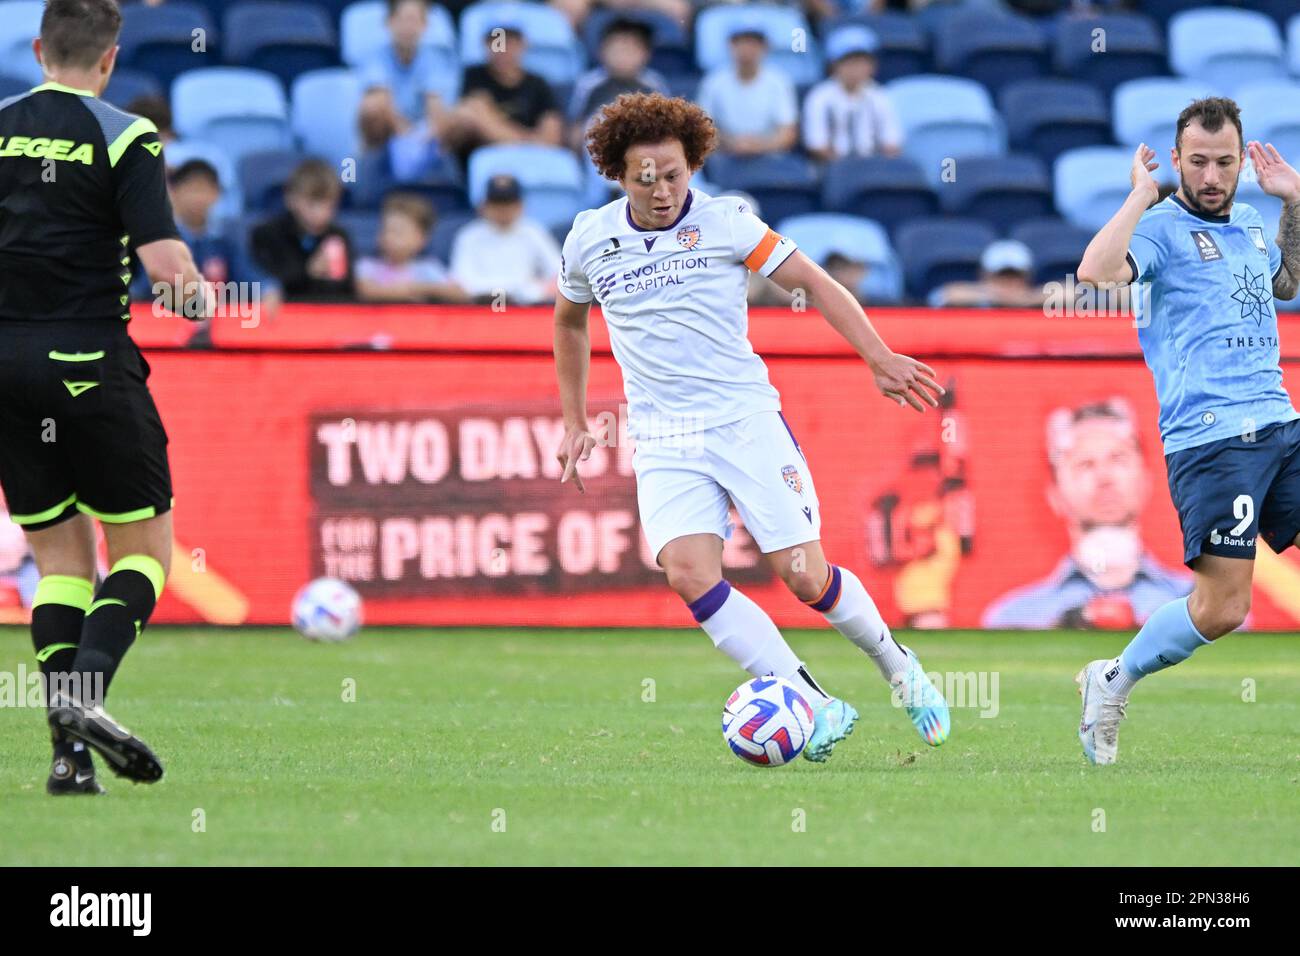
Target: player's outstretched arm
572,361
1105,261
1278,178
900,377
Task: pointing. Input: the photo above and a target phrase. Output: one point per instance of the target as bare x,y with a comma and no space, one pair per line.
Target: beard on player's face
1209,199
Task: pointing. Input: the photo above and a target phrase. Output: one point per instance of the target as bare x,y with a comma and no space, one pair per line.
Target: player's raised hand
906,380
1143,165
1274,174
576,447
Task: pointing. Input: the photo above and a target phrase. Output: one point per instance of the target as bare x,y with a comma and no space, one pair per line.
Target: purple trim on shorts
707,605
832,593
790,432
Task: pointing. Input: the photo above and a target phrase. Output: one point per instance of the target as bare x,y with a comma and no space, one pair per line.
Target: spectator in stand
625,48
303,247
401,273
752,104
505,253
501,102
159,111
848,272
1006,281
848,114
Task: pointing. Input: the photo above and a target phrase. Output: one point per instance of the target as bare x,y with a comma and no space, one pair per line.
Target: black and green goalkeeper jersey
81,183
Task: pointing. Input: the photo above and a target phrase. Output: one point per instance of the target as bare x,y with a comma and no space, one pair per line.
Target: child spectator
625,48
849,114
401,273
303,247
503,252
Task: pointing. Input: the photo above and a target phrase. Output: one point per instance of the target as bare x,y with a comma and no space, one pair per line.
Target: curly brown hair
637,118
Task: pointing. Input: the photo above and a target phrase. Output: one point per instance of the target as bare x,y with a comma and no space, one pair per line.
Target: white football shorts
686,483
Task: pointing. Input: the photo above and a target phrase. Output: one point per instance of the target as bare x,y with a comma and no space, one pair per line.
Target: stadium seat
671,43
685,85
1146,111
444,235
1048,116
1293,45
363,31
1270,113
262,177
552,181
362,226
12,86
231,202
286,39
888,189
1001,190
1162,11
127,84
1269,207
904,45
1280,11
1109,49
820,234
443,188
244,110
20,22
1226,48
553,50
161,40
713,27
783,185
1057,245
323,112
1092,182
945,117
938,250
993,49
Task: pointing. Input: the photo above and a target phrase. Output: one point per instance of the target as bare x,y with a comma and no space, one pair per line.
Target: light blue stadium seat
820,234
1270,113
1146,111
1293,46
945,117
553,50
1091,183
243,110
231,202
1226,48
20,23
363,30
792,45
323,113
1269,207
553,182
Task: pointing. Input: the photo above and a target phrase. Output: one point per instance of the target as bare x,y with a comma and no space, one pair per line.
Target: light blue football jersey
1206,321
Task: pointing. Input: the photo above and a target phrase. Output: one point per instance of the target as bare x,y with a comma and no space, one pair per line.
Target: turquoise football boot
832,722
923,701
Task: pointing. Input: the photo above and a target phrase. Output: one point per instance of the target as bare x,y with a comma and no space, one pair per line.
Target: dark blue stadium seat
262,177
362,226
126,84
782,184
1048,116
1163,10
444,235
991,48
904,44
444,190
1280,10
888,189
1134,48
939,250
685,84
1057,246
12,86
671,42
286,39
161,40
1001,190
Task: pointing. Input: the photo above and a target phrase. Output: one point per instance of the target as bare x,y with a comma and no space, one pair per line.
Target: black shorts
78,428
1227,492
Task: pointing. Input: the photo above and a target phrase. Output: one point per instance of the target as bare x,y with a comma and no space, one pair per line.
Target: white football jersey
674,302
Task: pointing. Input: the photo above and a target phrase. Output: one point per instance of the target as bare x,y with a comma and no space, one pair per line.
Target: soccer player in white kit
669,266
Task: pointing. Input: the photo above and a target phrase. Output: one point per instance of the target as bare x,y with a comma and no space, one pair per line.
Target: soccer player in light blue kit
1208,329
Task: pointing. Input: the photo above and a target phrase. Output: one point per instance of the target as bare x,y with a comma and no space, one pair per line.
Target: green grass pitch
501,746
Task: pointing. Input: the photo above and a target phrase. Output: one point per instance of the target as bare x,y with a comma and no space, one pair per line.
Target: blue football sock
1168,637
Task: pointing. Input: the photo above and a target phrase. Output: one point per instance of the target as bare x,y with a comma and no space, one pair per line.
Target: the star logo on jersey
1253,295
688,236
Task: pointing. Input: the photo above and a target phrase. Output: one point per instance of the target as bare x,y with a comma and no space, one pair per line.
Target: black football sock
58,612
115,619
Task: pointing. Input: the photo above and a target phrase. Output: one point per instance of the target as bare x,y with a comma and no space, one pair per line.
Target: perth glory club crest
688,236
791,475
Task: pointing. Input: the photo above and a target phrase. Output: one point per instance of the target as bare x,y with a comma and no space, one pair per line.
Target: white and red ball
327,609
767,721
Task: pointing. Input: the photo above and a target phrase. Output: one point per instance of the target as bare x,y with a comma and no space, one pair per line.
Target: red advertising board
427,477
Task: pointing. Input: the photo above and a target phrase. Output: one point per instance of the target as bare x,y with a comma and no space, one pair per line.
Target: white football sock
743,631
1116,680
848,607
